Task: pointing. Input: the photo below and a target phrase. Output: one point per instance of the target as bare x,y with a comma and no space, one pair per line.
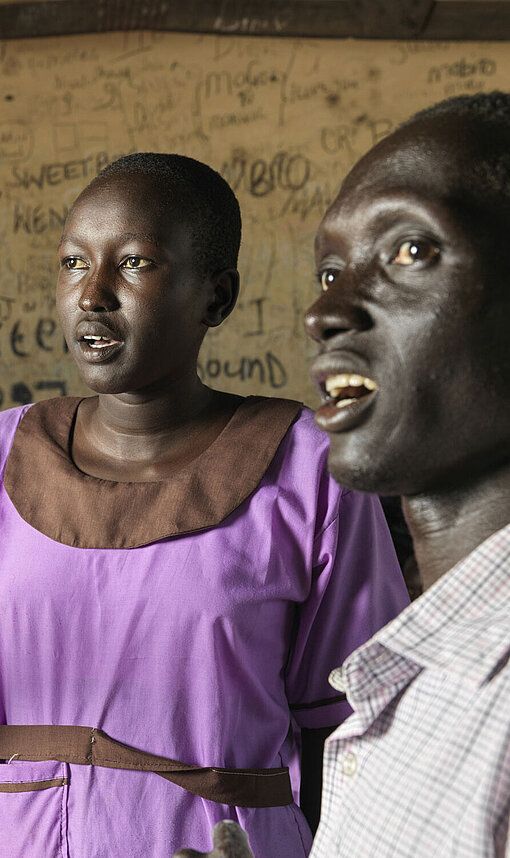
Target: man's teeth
337,384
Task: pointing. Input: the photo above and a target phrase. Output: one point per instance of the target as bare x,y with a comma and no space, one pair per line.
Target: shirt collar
82,511
460,625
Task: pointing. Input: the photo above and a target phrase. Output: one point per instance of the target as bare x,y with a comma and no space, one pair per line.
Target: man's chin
361,473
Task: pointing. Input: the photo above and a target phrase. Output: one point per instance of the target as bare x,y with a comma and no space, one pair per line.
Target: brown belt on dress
88,746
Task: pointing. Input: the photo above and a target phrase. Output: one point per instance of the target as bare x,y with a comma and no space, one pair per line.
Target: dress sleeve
356,588
9,422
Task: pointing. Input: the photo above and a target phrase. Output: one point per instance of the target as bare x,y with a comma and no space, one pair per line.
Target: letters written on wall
282,119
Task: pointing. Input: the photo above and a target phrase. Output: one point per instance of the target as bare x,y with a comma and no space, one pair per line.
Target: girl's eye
327,278
73,263
415,250
136,262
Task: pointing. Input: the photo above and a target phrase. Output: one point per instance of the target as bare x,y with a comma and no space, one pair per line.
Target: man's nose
337,311
98,294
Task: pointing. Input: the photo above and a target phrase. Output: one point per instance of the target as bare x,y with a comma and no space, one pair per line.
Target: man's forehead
411,157
423,162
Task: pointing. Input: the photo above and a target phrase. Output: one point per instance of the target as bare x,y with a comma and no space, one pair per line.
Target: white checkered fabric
422,768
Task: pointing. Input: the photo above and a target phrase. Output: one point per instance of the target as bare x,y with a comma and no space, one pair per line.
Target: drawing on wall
282,119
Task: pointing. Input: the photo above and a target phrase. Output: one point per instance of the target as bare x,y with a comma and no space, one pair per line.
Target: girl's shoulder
300,418
9,422
304,438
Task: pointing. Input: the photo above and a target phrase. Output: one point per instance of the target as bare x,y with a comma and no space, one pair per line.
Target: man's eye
413,251
327,278
73,263
136,262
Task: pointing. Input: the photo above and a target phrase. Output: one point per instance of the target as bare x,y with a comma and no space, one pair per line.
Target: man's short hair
490,113
201,198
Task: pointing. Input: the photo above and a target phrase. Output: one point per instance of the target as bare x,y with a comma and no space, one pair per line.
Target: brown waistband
88,746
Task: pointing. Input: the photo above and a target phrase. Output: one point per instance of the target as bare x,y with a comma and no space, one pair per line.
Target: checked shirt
422,767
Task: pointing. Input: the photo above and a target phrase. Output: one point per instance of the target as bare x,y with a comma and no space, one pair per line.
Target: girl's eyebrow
144,236
124,236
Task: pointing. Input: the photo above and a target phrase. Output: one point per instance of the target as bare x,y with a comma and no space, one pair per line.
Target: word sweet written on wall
282,119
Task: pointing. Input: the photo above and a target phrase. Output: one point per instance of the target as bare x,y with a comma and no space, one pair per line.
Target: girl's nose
97,296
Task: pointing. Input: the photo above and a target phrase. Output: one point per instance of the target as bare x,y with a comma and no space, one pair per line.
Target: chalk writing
55,174
6,305
21,394
265,369
228,120
42,337
243,24
37,219
40,61
16,141
16,340
308,201
257,305
260,177
461,69
240,84
283,119
71,137
60,386
468,85
330,90
44,334
346,138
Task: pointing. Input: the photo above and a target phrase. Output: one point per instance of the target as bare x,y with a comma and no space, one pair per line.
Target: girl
178,572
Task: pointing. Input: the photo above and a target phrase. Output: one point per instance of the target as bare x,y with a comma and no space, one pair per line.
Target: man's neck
449,525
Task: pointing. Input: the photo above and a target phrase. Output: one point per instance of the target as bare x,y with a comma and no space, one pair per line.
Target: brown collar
71,507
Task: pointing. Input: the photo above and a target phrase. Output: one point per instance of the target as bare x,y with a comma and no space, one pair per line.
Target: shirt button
350,764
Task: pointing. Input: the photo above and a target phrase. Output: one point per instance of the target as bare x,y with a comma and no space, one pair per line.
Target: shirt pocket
33,809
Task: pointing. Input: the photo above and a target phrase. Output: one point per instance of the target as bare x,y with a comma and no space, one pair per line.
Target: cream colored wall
281,119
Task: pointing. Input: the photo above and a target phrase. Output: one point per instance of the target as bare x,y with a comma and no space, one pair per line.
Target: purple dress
196,618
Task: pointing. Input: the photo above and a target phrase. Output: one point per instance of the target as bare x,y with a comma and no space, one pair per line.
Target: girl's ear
226,289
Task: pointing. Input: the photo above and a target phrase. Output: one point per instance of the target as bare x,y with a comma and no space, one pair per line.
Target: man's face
129,299
414,362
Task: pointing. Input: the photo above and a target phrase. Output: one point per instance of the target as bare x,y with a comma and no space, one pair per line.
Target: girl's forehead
117,186
126,198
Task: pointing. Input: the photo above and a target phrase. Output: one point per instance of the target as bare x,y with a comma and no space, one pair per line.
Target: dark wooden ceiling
370,19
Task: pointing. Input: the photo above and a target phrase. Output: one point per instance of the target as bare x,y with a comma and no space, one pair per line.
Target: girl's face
132,307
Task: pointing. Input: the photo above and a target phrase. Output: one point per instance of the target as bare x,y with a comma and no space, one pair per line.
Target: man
412,261
416,293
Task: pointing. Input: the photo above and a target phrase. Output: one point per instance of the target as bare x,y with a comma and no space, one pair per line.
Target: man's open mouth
344,389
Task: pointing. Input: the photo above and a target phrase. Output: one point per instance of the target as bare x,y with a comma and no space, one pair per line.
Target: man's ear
226,289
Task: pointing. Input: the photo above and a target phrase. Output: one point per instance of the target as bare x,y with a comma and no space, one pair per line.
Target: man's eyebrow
124,236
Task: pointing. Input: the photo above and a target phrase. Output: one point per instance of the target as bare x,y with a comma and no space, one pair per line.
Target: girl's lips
95,328
93,354
331,418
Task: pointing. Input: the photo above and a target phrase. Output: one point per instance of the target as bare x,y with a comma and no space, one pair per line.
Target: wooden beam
374,19
462,20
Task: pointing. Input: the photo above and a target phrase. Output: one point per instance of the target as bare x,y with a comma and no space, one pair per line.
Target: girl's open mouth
98,348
